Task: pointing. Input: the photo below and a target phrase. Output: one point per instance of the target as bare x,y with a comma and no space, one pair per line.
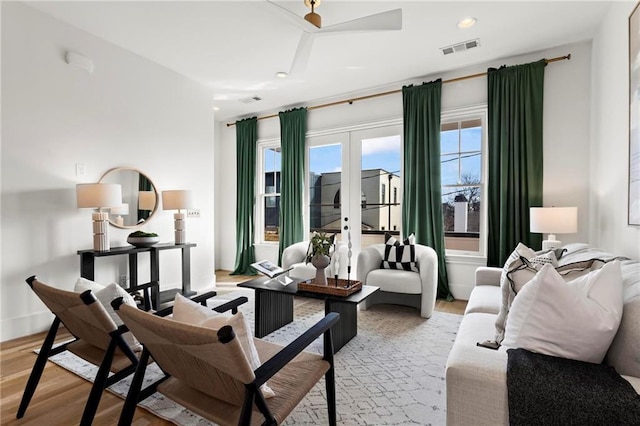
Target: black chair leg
330,382
98,387
38,368
129,408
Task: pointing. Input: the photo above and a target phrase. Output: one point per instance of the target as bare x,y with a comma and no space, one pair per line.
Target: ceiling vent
250,99
459,47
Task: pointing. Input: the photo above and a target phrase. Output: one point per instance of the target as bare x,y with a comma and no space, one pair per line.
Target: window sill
465,258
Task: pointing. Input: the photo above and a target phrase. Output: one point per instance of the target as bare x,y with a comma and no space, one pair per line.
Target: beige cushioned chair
417,289
209,373
97,340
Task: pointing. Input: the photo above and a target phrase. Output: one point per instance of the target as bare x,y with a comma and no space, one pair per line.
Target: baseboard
12,328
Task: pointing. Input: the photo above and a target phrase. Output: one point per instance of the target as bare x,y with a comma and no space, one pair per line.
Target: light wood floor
61,395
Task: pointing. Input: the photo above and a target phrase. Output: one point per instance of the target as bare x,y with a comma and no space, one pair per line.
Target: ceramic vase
320,262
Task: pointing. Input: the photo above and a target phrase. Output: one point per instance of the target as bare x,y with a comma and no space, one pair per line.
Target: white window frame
470,113
261,195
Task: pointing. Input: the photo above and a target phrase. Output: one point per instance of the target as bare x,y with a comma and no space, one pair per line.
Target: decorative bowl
143,241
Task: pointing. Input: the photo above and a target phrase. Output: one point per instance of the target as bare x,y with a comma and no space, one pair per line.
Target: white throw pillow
507,295
190,312
105,294
575,320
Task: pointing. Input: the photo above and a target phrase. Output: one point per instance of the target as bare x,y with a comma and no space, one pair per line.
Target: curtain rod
391,92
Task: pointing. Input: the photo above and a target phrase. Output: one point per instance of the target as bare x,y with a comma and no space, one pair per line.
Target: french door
354,185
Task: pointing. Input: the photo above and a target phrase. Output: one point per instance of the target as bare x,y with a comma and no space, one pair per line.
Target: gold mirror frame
131,179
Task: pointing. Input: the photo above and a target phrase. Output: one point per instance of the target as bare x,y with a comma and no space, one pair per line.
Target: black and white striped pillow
399,255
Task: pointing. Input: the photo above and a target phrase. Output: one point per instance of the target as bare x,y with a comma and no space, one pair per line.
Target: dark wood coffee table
274,307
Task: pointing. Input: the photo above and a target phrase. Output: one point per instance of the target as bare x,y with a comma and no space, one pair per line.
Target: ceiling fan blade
303,52
390,20
298,21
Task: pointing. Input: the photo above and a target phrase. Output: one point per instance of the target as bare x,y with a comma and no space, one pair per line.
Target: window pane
461,208
471,139
271,215
380,178
449,169
272,159
325,177
449,140
470,168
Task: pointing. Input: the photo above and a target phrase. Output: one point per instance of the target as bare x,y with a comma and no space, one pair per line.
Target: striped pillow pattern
399,255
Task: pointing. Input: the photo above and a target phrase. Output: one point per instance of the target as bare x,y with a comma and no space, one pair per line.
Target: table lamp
99,196
178,200
553,220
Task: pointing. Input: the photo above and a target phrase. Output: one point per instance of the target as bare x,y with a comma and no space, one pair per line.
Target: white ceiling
235,48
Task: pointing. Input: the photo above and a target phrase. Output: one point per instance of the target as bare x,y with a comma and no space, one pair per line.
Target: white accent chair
399,287
294,257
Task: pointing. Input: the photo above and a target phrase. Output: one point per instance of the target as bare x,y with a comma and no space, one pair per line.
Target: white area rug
391,373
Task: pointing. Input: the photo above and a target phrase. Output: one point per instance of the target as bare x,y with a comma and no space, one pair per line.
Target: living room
134,112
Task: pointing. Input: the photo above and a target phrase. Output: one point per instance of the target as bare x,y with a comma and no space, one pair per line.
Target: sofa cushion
395,281
484,298
399,255
576,320
302,271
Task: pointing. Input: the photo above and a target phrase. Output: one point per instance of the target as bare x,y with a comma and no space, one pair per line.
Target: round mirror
139,197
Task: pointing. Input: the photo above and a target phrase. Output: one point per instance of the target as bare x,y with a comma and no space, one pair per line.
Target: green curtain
293,127
422,196
515,157
144,184
246,137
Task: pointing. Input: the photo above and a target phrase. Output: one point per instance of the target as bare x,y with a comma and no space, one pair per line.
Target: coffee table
274,307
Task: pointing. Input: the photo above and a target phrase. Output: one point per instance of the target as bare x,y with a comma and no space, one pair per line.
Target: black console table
87,268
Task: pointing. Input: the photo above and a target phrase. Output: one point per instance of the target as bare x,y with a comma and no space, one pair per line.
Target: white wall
129,112
610,136
566,110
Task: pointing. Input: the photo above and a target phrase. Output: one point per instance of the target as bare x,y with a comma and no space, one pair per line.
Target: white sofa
417,289
476,376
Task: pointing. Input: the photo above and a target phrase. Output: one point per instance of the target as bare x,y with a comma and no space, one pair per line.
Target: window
271,159
462,157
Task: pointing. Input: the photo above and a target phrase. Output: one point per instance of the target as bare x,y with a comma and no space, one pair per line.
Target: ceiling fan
311,25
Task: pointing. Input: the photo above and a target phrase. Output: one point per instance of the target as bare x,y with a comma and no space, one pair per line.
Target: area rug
391,373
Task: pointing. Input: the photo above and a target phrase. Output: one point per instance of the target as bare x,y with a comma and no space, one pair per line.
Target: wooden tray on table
343,288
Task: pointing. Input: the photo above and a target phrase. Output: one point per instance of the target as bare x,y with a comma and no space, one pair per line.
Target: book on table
271,270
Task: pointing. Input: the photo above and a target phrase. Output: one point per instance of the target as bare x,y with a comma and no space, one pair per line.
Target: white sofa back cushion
575,320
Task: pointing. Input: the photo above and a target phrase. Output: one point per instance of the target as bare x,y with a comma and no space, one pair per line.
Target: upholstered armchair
400,287
294,257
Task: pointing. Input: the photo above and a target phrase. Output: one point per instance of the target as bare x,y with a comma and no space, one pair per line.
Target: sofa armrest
293,254
427,262
487,275
368,260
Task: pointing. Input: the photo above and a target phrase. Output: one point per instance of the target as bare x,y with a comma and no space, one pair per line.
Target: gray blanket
546,390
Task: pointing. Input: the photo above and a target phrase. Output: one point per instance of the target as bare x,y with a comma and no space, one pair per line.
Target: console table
87,268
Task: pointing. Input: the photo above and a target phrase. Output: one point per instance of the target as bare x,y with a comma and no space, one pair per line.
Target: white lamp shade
177,200
121,210
146,200
554,220
98,195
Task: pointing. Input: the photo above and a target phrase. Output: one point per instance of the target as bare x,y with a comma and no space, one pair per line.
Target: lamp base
179,232
100,231
551,243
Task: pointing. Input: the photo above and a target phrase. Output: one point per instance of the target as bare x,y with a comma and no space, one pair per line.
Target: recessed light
215,108
281,74
467,22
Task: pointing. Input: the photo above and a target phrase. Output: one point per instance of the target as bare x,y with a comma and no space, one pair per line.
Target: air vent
459,47
251,99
